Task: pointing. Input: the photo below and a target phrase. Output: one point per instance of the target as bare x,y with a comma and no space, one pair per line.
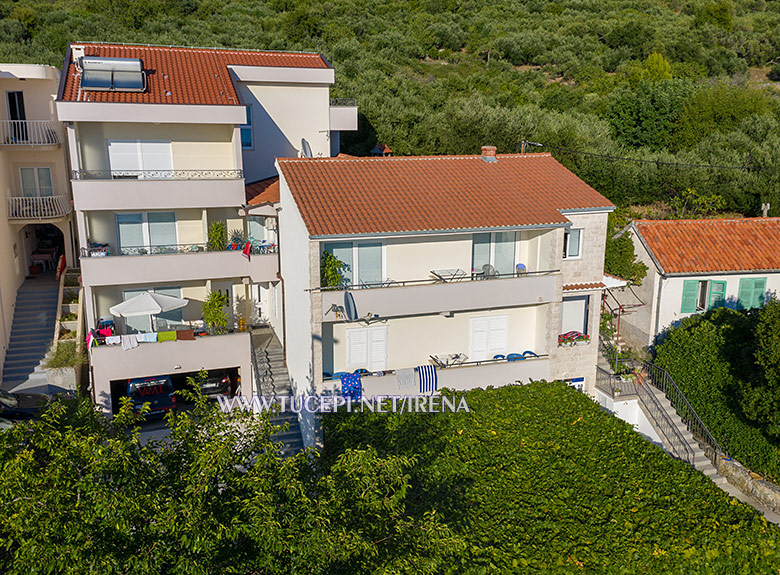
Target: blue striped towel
428,380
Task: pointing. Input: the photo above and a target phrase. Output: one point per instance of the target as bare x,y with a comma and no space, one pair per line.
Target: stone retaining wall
763,491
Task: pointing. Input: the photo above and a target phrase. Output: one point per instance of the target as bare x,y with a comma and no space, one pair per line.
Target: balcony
157,189
38,208
343,114
181,262
392,299
463,377
19,133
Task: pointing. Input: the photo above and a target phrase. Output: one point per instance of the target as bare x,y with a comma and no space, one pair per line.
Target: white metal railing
28,133
22,208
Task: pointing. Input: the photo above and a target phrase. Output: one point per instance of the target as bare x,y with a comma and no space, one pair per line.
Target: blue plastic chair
520,269
514,357
499,356
362,371
529,353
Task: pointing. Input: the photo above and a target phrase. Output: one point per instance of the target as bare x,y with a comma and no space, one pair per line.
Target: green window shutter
745,294
759,288
717,293
690,291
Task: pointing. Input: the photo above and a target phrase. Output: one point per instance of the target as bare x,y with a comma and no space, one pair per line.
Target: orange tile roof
343,196
584,286
263,192
180,75
726,245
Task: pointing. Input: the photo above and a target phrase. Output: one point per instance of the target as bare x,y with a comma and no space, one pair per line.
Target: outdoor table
45,259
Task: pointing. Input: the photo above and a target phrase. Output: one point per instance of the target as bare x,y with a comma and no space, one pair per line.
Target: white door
367,348
488,337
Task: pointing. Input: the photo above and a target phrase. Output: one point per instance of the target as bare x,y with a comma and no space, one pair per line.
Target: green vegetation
726,362
70,296
72,281
332,271
82,494
670,81
214,313
217,237
537,479
66,355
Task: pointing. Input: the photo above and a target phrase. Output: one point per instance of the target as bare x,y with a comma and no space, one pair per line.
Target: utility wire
643,161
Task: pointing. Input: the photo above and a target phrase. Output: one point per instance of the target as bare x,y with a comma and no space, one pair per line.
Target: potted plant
237,240
217,237
214,315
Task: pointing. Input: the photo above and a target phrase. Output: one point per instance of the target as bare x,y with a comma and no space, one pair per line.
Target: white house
165,142
453,261
696,265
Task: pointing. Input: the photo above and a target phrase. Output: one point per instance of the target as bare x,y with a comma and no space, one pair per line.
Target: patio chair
489,272
514,357
499,356
521,269
529,353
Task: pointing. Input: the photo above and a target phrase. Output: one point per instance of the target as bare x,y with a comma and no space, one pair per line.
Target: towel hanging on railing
428,379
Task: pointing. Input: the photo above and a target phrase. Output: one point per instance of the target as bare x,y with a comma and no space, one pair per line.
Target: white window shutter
357,349
497,335
156,156
478,340
124,156
378,349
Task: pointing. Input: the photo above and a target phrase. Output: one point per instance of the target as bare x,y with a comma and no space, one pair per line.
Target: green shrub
537,479
66,356
217,237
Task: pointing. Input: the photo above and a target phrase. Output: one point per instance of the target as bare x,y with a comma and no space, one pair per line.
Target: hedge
537,478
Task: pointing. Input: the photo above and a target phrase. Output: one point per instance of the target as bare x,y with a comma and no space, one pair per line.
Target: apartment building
167,145
694,266
488,267
35,227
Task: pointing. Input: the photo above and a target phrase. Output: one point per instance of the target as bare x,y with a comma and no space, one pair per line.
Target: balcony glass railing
28,133
25,208
157,174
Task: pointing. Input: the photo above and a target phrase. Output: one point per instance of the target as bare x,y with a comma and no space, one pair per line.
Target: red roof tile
727,245
591,285
342,196
190,75
263,192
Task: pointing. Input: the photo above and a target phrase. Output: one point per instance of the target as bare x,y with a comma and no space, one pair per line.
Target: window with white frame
497,249
572,240
146,232
247,139
365,261
574,314
36,182
367,348
131,158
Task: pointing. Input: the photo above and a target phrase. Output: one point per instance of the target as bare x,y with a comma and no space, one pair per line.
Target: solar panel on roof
112,74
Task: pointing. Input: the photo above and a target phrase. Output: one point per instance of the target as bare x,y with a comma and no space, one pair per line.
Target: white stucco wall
631,412
282,115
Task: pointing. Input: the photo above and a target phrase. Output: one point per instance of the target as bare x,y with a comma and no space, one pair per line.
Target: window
367,348
256,227
153,232
488,337
701,295
129,158
247,140
574,314
160,322
365,261
496,249
571,243
36,182
751,292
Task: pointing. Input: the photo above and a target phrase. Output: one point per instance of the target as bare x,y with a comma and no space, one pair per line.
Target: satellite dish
350,309
306,148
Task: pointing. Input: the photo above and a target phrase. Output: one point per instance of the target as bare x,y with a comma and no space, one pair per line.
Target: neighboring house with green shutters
696,265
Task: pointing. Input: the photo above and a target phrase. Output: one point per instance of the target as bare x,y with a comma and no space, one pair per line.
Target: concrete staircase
273,380
700,461
31,333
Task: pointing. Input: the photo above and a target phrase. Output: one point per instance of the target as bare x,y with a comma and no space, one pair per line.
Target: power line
643,161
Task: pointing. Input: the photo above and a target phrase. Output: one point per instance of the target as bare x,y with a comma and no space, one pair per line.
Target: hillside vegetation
537,479
673,81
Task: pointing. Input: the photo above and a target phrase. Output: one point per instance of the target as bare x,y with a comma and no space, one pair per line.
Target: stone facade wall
765,492
589,267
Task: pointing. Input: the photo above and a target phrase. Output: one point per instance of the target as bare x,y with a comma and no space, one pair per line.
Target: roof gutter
439,232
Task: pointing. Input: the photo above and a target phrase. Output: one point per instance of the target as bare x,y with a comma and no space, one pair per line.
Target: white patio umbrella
147,303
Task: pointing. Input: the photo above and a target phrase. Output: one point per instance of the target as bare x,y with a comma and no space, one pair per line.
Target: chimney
489,154
764,210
